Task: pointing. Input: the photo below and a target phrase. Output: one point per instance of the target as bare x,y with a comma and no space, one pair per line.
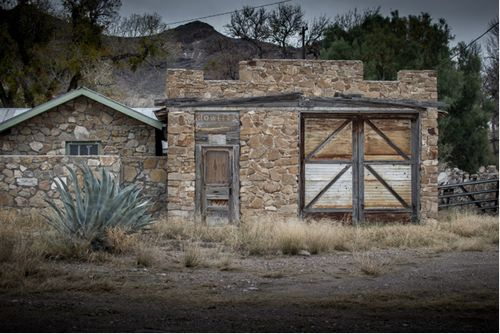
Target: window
83,148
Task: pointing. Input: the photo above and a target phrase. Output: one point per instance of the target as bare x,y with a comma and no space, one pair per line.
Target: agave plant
97,205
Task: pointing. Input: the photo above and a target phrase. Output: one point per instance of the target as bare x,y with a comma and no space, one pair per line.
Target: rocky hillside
195,45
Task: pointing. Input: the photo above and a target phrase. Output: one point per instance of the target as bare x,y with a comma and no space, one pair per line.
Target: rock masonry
269,140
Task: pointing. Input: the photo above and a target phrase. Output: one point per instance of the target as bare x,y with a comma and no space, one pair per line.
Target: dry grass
462,231
28,246
192,256
146,255
370,263
119,241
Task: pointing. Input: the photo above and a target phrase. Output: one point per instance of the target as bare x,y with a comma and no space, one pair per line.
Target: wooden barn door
359,166
327,166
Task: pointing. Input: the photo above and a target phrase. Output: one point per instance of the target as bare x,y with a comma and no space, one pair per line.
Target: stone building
78,127
289,138
301,138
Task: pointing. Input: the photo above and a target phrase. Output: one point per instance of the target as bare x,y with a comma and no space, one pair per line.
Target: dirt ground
417,291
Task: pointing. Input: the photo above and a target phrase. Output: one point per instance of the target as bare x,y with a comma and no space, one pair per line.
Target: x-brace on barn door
360,165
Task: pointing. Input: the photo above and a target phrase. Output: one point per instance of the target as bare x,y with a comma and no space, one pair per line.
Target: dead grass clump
371,264
273,274
146,256
292,237
57,247
22,264
119,241
470,245
192,256
257,238
8,239
225,263
173,228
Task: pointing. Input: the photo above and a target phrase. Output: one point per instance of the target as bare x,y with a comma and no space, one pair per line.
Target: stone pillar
181,164
429,164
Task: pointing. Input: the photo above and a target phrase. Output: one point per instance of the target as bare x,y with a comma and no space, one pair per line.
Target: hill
196,45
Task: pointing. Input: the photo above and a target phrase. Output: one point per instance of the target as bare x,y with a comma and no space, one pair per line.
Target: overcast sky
466,18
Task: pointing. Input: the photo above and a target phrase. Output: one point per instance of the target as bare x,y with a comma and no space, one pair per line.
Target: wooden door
327,165
357,166
217,202
387,167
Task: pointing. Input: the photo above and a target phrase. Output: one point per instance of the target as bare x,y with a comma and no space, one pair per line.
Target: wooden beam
415,170
298,100
361,171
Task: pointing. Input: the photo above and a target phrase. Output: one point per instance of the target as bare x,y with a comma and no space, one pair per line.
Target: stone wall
26,180
81,119
311,77
455,175
269,139
181,164
269,163
151,174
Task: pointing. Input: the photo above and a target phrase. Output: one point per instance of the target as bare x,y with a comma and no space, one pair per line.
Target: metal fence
481,195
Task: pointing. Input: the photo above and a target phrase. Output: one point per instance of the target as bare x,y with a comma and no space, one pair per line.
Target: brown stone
158,175
5,199
256,203
271,187
273,154
254,142
129,173
44,185
150,163
289,179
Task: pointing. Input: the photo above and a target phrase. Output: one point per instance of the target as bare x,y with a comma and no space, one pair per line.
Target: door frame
234,196
357,165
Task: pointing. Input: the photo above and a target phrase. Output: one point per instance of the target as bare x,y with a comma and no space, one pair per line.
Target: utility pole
303,34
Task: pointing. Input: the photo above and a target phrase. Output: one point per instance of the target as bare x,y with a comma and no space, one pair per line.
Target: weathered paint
339,195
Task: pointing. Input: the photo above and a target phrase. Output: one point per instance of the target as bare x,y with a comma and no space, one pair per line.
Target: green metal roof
74,94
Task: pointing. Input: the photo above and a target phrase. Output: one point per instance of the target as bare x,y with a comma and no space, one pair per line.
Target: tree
46,50
224,61
250,24
88,19
463,136
285,22
141,39
314,34
25,31
491,82
389,44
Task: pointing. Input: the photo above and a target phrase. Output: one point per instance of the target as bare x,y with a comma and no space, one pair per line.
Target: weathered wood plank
336,145
325,189
339,195
380,146
378,191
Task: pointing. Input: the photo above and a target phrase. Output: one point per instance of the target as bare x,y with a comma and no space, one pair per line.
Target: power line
226,13
476,39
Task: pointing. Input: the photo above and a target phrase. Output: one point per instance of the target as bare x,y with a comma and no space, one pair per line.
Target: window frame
83,142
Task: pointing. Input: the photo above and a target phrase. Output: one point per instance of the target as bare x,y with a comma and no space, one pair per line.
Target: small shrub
225,263
96,206
146,256
370,264
192,257
119,241
8,240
